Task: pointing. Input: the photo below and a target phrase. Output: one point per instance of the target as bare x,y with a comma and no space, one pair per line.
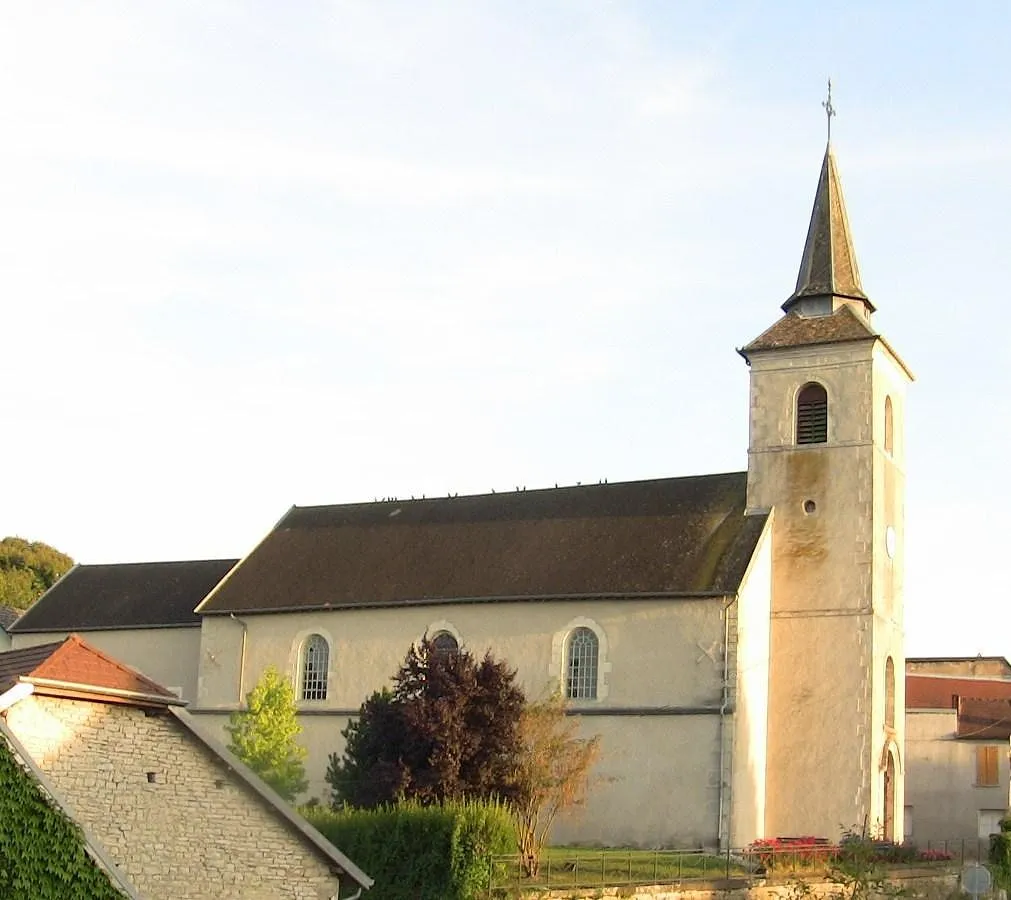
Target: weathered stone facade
176,820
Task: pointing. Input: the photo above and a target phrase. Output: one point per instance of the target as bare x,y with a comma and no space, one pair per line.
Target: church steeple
829,276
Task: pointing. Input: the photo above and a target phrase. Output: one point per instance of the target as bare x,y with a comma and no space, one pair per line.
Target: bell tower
827,455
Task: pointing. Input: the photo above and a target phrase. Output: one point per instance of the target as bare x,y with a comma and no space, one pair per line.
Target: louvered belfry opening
812,415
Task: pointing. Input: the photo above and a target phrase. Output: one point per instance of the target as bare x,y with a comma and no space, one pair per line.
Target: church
735,639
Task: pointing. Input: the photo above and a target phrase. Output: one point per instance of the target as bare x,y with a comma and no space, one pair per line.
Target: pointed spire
828,268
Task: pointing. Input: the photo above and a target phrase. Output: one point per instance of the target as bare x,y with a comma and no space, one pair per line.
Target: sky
256,254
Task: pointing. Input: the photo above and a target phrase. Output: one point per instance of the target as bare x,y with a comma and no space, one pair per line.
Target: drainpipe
724,704
242,655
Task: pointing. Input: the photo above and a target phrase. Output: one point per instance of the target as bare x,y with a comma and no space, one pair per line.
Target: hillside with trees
27,570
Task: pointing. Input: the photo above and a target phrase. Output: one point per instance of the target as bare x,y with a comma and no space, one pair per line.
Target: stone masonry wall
194,831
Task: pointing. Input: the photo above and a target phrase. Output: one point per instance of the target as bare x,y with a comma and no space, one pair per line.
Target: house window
581,665
987,773
889,426
989,821
907,822
315,667
444,642
812,415
889,693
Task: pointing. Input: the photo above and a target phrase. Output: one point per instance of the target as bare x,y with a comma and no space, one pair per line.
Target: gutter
140,696
724,707
460,601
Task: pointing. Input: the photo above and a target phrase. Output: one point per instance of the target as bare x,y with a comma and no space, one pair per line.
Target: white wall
751,719
659,776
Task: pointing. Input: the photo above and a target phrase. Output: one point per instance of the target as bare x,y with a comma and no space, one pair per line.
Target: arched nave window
889,426
812,414
314,667
581,663
889,693
444,642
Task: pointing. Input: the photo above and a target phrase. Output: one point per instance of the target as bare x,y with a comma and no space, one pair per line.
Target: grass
569,867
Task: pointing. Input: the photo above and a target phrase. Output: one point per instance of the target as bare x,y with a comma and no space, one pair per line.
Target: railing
576,868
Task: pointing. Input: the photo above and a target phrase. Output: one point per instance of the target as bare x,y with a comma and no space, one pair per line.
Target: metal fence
571,868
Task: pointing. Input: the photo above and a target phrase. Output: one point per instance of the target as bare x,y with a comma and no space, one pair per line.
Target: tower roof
828,267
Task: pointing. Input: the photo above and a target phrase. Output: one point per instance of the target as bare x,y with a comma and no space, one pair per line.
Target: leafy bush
415,852
449,729
42,855
264,735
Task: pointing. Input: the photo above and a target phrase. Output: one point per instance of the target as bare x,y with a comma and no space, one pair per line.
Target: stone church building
735,639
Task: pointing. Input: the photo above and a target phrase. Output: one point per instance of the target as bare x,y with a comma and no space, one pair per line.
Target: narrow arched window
445,643
889,693
889,426
315,667
812,415
581,665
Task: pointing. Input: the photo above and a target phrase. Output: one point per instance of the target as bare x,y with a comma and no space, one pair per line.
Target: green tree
552,774
27,570
448,730
263,735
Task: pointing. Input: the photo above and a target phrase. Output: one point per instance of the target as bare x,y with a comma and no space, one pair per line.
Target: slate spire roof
828,266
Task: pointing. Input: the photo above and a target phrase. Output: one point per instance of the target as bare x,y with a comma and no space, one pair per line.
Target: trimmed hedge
421,852
42,855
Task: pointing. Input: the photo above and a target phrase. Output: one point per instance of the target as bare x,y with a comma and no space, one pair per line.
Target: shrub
1000,854
415,852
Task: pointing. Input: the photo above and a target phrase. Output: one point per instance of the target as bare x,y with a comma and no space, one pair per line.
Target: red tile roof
984,719
939,692
75,662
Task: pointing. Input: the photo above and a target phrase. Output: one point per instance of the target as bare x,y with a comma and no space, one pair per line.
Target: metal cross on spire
829,110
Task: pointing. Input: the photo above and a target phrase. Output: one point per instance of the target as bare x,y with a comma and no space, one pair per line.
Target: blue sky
257,254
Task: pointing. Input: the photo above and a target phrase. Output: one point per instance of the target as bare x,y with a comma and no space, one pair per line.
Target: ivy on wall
42,855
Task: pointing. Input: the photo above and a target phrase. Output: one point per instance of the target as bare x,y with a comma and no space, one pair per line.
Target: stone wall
918,886
170,813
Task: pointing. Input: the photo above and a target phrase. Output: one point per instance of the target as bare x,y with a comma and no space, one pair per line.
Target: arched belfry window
315,667
581,664
812,415
889,426
889,693
444,642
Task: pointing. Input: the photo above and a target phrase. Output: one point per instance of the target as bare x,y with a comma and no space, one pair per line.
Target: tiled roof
941,692
8,616
984,719
669,536
131,595
15,663
795,330
75,662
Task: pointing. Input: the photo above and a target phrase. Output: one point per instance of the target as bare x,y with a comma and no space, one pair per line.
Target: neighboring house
962,666
167,808
140,613
735,639
957,768
8,616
